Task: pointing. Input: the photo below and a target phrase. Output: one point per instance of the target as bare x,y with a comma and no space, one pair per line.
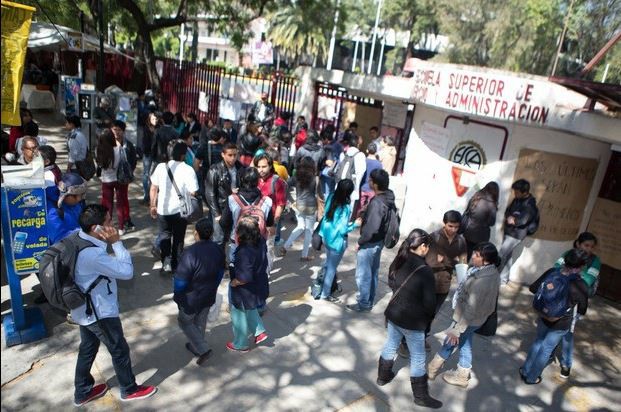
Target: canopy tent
44,36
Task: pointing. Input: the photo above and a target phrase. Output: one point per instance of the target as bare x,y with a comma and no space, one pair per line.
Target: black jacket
413,307
375,219
524,211
130,154
218,187
163,136
481,217
578,295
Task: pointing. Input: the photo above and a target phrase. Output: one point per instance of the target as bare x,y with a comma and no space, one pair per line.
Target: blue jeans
108,331
367,267
327,185
147,163
567,349
540,351
416,344
465,348
333,259
506,256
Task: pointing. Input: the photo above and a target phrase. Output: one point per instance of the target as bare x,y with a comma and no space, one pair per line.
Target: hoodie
375,219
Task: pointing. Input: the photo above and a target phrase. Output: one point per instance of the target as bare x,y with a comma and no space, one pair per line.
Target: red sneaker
260,338
97,392
141,393
231,347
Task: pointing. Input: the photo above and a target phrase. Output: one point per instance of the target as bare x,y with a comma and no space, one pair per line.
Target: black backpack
393,221
57,271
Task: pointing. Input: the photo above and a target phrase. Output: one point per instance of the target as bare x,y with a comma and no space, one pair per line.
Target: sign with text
561,184
394,115
27,233
482,93
603,224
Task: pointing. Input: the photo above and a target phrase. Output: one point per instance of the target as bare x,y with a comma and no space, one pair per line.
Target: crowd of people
249,183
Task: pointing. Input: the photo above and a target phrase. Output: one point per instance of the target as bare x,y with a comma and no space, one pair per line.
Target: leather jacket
218,187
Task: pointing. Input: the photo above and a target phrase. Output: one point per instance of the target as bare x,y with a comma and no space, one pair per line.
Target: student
77,145
521,220
366,193
480,216
196,281
52,174
96,227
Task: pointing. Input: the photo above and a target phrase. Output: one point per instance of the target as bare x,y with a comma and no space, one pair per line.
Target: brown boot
458,377
384,371
420,390
434,366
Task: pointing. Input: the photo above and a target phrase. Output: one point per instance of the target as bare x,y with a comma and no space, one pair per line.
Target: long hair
341,196
416,238
305,172
248,232
490,190
105,149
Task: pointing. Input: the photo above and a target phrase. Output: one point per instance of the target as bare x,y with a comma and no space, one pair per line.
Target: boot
421,393
434,366
458,377
384,371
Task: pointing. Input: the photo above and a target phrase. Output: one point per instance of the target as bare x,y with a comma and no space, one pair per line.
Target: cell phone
19,241
99,229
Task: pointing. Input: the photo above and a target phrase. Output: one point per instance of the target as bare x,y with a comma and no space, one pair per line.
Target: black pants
171,230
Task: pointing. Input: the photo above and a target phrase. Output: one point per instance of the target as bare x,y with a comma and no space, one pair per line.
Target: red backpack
253,209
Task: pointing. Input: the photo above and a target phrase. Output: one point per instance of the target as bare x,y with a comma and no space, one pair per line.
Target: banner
561,184
603,224
15,31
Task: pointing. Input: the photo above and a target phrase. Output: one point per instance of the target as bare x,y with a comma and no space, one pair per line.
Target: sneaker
156,252
203,358
166,267
121,232
357,308
140,393
129,226
97,392
565,372
260,338
231,347
332,299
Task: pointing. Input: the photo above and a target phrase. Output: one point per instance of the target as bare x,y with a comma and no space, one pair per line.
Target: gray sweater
477,299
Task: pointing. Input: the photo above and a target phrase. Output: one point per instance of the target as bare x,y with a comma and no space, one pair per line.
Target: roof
607,94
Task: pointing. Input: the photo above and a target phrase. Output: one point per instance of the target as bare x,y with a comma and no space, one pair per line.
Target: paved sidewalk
319,356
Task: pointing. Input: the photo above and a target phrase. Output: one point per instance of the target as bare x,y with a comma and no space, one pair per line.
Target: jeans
108,331
327,185
193,326
147,163
171,228
416,344
245,322
306,224
465,348
367,267
540,351
333,259
506,256
567,350
122,200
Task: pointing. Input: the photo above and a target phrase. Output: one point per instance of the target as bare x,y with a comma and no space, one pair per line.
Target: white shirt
91,263
360,167
77,146
167,198
108,175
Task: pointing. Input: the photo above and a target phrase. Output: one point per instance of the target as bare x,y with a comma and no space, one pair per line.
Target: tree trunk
194,42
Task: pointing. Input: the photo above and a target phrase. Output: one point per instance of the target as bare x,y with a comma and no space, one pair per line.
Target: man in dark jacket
163,136
520,218
550,331
221,181
196,281
311,148
371,241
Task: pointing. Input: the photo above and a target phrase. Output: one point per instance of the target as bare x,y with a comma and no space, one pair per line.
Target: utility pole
100,66
377,17
560,43
333,38
181,42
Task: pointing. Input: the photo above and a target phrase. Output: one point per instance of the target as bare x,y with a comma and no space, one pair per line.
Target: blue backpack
552,300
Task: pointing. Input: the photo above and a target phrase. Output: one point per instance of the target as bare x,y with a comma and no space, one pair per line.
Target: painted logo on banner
27,222
469,154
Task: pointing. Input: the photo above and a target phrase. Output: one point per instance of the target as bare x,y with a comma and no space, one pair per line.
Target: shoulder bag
191,207
394,295
124,173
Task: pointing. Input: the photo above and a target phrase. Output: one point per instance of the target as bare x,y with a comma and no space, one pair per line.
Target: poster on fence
230,110
561,184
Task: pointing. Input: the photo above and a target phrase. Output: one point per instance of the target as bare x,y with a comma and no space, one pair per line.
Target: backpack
57,271
551,300
393,221
533,225
252,209
345,169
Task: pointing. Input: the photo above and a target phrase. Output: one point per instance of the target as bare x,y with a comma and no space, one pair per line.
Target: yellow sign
15,32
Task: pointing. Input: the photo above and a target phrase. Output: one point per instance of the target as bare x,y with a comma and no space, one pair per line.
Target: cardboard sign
604,224
561,184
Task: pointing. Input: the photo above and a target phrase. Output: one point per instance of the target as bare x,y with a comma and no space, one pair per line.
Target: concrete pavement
319,356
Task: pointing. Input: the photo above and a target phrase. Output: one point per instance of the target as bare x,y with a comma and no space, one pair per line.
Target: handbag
86,168
317,240
491,324
191,207
124,173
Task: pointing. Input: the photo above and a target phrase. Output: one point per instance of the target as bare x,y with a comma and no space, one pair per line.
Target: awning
605,93
44,36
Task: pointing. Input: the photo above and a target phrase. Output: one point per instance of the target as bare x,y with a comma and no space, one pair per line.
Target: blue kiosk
25,239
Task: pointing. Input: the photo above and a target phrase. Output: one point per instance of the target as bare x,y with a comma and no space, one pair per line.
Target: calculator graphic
19,241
